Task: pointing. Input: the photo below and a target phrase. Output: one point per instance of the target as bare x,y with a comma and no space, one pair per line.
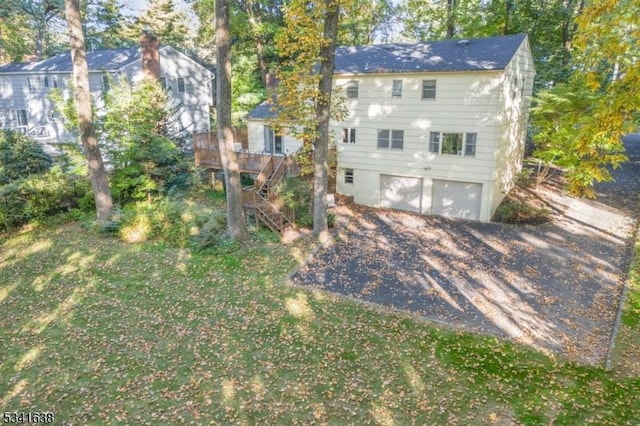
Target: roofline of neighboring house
123,67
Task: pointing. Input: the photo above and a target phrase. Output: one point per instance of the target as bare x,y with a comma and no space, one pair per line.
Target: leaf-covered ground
98,332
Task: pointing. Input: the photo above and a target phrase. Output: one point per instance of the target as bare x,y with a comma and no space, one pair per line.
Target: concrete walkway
555,287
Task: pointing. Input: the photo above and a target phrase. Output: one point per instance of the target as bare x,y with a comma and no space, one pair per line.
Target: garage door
400,192
457,199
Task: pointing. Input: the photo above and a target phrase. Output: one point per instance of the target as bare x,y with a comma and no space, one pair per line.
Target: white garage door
402,193
457,199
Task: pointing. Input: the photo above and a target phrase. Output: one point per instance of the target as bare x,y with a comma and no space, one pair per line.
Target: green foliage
246,90
165,20
38,196
297,194
21,157
511,211
146,162
173,222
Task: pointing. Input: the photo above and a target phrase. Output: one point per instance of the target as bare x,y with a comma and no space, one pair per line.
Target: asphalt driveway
555,286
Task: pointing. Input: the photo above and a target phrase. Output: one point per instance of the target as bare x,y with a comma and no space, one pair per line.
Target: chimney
272,83
150,55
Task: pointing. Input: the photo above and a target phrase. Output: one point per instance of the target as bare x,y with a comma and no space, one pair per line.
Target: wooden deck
207,155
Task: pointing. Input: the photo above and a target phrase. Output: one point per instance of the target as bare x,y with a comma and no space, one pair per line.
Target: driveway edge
621,302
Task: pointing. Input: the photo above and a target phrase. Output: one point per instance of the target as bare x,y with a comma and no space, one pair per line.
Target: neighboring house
433,127
24,89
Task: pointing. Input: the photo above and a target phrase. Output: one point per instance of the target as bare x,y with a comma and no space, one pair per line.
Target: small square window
434,142
352,90
470,144
428,89
396,91
348,176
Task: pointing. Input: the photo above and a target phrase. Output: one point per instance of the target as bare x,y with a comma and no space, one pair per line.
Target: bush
511,211
297,194
39,196
174,222
21,157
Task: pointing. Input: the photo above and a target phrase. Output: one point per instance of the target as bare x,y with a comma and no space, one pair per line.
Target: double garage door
449,198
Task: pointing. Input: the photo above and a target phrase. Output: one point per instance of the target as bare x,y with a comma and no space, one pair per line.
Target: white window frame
469,143
349,176
34,83
396,89
348,135
393,138
429,89
352,89
12,118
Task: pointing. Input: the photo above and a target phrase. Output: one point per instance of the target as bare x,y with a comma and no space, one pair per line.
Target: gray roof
263,111
480,54
97,60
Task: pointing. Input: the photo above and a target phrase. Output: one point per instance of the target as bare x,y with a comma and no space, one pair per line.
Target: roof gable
480,54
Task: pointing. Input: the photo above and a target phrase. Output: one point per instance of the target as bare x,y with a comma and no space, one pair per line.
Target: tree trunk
236,225
323,107
97,172
451,27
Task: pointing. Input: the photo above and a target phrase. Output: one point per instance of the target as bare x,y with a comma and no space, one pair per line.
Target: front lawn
99,331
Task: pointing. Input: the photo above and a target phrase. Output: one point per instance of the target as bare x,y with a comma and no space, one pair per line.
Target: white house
433,127
24,89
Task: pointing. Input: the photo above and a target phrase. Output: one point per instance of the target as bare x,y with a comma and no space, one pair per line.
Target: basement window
348,175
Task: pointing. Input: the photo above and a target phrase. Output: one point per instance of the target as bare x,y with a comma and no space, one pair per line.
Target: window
428,89
452,143
46,81
349,135
352,90
434,142
396,91
54,81
163,82
470,145
273,142
13,118
393,139
50,115
181,85
34,83
348,175
106,83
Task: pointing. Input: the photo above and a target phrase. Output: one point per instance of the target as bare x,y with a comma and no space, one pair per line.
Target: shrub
21,157
297,194
511,211
175,222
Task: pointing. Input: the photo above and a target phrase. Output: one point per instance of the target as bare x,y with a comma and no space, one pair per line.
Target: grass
99,331
625,358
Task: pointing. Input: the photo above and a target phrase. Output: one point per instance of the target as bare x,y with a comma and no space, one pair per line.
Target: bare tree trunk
236,225
97,172
321,143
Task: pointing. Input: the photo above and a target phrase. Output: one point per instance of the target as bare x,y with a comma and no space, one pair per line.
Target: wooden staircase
262,200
